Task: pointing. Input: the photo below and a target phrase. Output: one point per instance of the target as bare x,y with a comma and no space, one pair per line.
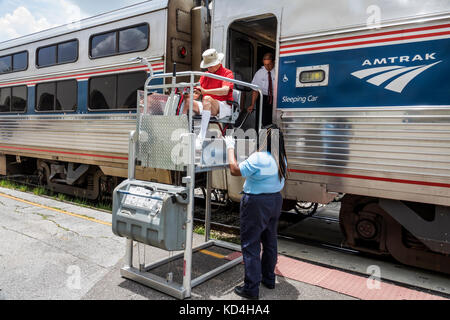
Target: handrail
193,74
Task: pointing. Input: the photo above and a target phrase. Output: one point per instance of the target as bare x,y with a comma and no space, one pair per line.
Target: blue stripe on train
431,87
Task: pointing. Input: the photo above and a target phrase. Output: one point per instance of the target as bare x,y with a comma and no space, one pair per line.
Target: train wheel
368,228
306,209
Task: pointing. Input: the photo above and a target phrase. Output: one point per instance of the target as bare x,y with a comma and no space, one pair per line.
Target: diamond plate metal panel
160,142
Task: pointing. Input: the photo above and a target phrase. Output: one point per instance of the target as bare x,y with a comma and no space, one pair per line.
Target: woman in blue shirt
265,172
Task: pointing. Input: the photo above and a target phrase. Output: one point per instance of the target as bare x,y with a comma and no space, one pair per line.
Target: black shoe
268,286
240,292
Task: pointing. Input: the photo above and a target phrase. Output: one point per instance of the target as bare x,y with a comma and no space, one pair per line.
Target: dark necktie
270,88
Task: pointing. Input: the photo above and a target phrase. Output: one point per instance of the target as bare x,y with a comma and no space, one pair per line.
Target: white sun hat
211,58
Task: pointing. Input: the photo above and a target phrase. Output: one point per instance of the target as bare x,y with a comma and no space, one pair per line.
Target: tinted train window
6,64
20,61
14,62
47,56
19,99
13,99
5,99
102,93
133,39
115,92
57,54
68,52
57,96
120,41
103,45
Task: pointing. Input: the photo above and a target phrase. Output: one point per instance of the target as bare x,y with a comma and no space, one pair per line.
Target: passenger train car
362,98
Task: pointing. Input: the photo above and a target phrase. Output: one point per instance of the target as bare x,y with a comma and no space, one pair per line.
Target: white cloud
38,15
21,22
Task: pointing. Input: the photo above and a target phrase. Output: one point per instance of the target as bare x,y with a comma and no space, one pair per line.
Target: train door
249,40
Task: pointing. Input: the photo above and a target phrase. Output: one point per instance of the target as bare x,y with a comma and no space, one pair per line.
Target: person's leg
269,241
195,106
210,109
267,112
251,228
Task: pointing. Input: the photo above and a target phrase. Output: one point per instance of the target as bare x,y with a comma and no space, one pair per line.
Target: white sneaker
198,144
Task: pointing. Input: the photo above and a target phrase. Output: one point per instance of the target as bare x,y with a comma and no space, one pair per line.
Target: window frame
12,62
10,104
56,54
56,96
117,32
116,92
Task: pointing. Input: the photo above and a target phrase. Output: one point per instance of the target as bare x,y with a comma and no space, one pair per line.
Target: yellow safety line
56,210
213,254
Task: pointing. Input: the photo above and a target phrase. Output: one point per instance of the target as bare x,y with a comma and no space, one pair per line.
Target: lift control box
151,213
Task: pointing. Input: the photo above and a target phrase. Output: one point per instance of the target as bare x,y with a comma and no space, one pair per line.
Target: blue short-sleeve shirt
261,173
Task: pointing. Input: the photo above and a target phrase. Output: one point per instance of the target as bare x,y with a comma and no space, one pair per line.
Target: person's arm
234,167
216,92
255,95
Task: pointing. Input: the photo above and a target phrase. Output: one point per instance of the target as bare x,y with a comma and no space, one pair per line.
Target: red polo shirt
209,83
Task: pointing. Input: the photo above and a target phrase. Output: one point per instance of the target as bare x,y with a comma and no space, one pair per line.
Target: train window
45,96
68,52
102,93
13,99
19,99
5,100
133,39
128,85
6,64
20,61
66,95
103,45
60,53
46,56
57,96
116,92
14,62
120,41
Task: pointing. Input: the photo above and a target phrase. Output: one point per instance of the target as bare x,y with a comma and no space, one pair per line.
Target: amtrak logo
401,76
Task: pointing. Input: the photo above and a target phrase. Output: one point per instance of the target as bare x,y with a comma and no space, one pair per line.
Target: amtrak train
361,96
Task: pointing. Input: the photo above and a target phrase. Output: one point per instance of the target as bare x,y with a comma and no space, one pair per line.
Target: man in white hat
216,93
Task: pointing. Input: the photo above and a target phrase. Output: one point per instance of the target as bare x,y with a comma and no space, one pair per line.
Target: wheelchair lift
159,215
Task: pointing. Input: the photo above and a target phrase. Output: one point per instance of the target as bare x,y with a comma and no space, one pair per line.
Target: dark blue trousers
259,223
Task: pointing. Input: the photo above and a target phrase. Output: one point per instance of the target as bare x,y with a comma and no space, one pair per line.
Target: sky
22,17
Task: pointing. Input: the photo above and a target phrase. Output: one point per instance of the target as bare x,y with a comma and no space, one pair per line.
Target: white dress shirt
261,79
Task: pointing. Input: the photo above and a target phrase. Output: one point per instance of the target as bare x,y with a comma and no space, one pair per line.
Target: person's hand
229,141
201,89
250,109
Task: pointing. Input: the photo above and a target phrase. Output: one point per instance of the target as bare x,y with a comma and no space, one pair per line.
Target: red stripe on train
65,152
366,36
353,44
351,176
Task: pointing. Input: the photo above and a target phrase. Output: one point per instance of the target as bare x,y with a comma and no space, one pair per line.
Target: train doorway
249,40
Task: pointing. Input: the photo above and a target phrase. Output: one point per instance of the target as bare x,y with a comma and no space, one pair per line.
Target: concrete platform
57,251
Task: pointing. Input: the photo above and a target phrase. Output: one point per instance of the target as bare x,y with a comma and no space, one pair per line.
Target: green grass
216,235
